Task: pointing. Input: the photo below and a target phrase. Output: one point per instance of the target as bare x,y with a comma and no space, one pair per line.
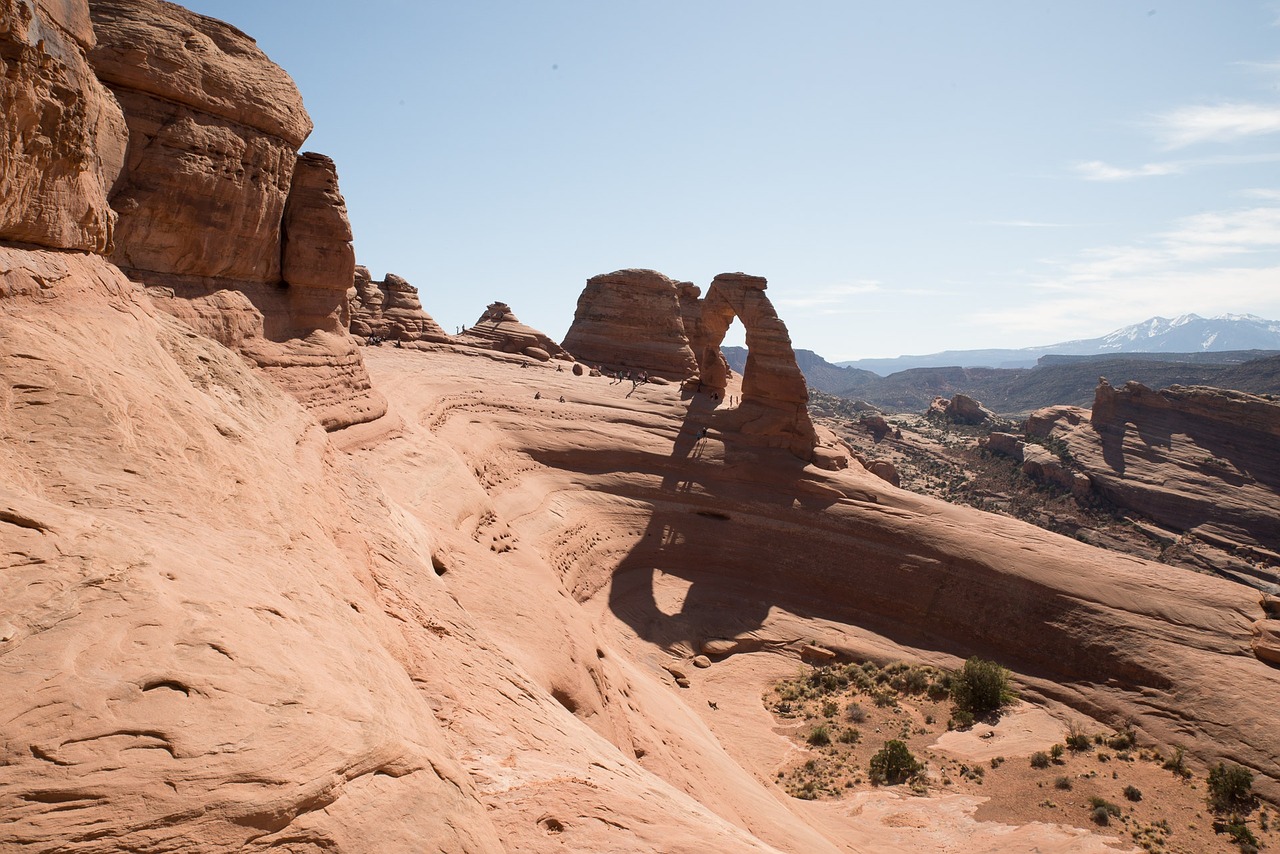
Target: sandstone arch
774,394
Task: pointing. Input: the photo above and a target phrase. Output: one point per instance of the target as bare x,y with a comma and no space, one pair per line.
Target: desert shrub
1077,739
1056,751
912,681
893,763
1039,759
828,680
1096,803
1230,788
855,713
1101,815
940,687
1133,793
819,736
1239,832
997,761
830,708
981,687
1122,740
884,698
850,735
960,719
1177,763
1063,783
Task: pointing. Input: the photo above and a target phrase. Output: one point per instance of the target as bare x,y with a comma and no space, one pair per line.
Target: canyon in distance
288,566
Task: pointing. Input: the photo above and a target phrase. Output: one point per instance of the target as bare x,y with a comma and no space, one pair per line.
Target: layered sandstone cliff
391,310
1198,461
214,200
499,329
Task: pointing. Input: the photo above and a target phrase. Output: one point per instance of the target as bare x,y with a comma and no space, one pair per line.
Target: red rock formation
63,136
390,309
691,317
774,395
632,319
499,329
1196,460
214,197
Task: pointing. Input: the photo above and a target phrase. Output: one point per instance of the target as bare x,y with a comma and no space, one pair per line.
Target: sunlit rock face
213,196
63,137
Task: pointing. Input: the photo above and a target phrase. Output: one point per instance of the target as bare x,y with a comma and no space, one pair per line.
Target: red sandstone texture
214,197
390,309
1199,461
455,629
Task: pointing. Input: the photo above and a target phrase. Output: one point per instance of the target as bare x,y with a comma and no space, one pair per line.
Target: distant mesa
642,319
390,309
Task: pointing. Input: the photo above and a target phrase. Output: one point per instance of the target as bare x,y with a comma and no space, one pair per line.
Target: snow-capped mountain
1187,333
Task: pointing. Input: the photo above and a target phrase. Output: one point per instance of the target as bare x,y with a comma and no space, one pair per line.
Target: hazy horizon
910,179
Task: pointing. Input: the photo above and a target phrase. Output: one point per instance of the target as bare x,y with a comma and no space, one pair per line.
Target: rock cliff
213,197
1195,460
62,141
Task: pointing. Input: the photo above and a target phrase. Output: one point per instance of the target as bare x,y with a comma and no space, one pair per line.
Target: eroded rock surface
631,319
1197,460
390,309
62,140
774,395
214,197
499,329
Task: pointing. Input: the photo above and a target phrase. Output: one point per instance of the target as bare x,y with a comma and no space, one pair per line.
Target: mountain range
1188,333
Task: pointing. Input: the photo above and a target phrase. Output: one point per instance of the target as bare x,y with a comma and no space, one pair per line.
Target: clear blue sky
909,176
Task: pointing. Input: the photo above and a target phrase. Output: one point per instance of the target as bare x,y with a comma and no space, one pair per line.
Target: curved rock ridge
213,196
63,137
499,329
390,309
632,319
1196,460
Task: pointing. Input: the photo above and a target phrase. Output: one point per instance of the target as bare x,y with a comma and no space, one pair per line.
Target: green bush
893,764
1133,793
850,735
1177,763
1240,834
820,736
1230,788
981,688
1056,751
1039,759
1063,783
1105,805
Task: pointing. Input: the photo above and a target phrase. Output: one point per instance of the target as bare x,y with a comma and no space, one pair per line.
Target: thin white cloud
1219,123
1210,263
1096,170
832,295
